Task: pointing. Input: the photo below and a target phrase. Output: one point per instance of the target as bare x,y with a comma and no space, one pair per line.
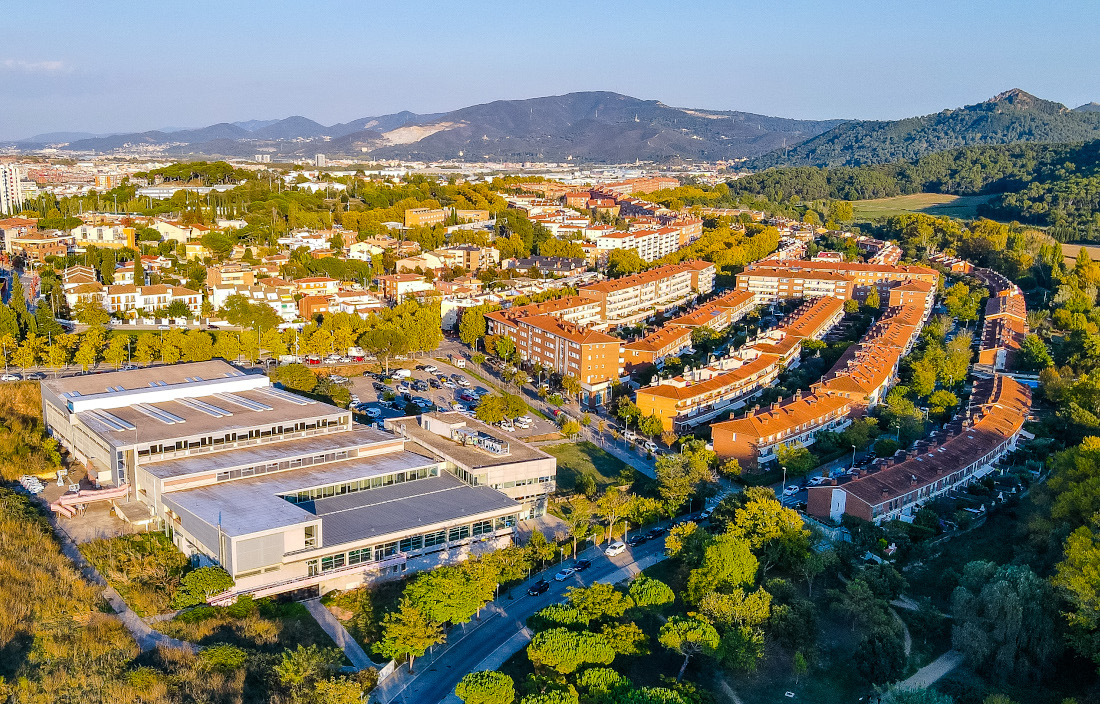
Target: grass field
585,458
1070,252
930,203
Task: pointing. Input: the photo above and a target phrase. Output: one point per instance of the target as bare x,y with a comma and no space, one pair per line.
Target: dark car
379,387
637,540
655,533
420,385
434,383
539,587
582,565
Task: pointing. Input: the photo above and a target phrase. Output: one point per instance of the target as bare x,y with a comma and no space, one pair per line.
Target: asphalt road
436,675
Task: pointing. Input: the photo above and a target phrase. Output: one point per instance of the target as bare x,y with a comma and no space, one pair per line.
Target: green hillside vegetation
1012,116
1051,185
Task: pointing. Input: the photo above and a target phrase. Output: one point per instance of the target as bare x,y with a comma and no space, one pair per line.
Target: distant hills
584,127
1012,116
604,127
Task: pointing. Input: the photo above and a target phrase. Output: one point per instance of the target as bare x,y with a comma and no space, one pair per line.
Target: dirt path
933,671
728,691
904,632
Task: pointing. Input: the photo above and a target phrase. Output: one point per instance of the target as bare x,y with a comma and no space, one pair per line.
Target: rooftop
466,455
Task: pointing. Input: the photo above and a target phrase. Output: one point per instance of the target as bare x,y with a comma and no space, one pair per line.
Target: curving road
501,631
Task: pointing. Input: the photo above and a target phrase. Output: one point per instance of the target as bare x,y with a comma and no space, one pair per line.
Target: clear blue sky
114,66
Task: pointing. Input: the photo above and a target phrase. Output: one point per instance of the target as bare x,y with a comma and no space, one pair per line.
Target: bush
199,585
145,569
224,658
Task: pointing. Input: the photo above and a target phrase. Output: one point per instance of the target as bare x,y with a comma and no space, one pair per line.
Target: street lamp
853,456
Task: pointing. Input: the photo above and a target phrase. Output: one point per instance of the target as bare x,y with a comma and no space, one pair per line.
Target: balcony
287,585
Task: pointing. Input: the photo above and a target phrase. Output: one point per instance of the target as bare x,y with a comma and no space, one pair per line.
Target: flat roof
253,505
466,455
89,384
404,508
196,422
266,452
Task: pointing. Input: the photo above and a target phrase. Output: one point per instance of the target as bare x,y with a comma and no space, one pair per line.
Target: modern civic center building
283,491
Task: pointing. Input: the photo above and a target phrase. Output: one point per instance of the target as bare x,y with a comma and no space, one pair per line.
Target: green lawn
930,203
585,458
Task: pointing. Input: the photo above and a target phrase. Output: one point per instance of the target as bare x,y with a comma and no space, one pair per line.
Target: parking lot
440,388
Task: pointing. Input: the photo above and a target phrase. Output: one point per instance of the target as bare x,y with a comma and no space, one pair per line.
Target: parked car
582,565
564,574
656,533
817,481
35,376
447,383
650,446
127,367
372,413
431,368
420,385
539,587
10,377
354,398
636,540
615,548
402,374
378,386
791,490
456,406
461,381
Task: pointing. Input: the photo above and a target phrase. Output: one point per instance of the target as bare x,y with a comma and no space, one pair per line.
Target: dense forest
1055,185
1012,116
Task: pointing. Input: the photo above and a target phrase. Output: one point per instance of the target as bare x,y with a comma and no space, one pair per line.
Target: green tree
197,586
1078,579
797,459
880,657
486,688
117,350
646,591
1034,355
598,601
565,651
407,633
300,669
623,262
91,312
688,636
1004,620
727,563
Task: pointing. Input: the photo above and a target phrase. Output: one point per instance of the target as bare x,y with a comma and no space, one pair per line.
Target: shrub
223,657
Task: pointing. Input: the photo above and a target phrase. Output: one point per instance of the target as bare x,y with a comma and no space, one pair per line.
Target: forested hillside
1012,116
1056,185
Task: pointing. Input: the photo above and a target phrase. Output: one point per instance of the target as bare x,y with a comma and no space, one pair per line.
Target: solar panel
126,425
280,394
207,408
243,402
158,413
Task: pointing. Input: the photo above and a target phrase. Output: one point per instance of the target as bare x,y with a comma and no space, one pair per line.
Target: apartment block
650,245
279,298
770,285
863,276
230,274
113,236
593,358
468,256
125,298
397,287
424,217
632,299
284,492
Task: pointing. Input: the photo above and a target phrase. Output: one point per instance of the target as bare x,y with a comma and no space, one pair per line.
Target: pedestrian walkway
933,671
340,636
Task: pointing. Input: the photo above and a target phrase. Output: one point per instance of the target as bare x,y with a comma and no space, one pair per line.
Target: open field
929,203
586,458
1070,252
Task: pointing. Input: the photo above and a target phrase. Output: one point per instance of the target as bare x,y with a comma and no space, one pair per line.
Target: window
459,533
332,562
414,543
356,557
482,527
437,538
311,536
381,552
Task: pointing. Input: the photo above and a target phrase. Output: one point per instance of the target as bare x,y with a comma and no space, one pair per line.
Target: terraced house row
700,395
774,280
675,336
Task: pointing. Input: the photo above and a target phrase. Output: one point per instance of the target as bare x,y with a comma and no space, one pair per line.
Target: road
489,639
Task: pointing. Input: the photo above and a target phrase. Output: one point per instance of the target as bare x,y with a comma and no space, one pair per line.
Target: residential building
279,298
104,235
230,274
468,256
126,298
11,189
316,285
700,395
549,266
650,245
523,473
632,299
863,276
572,309
177,231
397,287
594,358
896,488
16,228
718,313
284,492
770,285
194,250
472,215
425,262
424,217
654,348
675,336
753,439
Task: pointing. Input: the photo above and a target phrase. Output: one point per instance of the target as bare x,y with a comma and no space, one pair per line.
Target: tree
540,549
571,386
486,688
840,211
117,350
677,479
88,352
490,409
407,633
775,533
728,562
1034,355
90,311
880,657
565,651
598,601
873,299
646,591
198,585
472,325
623,262
814,564
1004,620
579,518
570,428
797,459
300,669
651,425
297,377
612,507
689,636
1078,579
384,344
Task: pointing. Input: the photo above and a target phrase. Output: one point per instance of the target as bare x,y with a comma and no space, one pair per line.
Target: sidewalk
933,671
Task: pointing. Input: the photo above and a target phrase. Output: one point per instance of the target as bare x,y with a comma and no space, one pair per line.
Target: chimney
912,480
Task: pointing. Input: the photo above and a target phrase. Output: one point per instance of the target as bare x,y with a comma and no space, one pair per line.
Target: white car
337,379
791,490
447,383
372,413
402,374
564,574
431,368
461,381
616,548
817,481
10,377
456,406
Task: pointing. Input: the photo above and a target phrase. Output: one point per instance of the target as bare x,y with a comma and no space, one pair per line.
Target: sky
131,66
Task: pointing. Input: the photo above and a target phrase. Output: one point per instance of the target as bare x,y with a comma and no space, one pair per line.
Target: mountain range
605,127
